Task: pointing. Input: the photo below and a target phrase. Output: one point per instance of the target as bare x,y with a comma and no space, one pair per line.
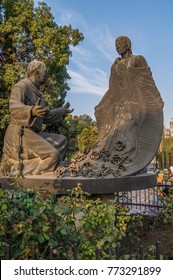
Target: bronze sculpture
129,117
28,150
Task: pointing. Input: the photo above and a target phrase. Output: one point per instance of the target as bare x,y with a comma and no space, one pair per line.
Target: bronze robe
39,152
129,119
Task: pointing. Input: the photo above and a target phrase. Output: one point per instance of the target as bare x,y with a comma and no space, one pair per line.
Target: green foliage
77,222
134,228
100,225
77,124
73,220
164,157
74,131
87,138
150,253
167,144
167,211
28,218
73,127
27,33
103,226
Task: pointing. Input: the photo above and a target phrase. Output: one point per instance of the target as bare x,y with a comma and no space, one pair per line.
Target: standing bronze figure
129,116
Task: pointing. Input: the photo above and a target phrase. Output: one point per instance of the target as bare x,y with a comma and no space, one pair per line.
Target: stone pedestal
103,186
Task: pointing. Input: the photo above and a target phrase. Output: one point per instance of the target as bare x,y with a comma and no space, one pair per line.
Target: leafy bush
101,225
166,200
77,225
28,218
63,223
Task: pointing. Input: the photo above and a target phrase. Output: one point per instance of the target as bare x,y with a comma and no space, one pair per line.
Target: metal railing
145,201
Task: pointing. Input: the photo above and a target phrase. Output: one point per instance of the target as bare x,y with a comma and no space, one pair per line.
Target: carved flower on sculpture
95,155
60,171
79,157
116,173
99,174
74,169
117,159
119,146
105,170
105,155
87,169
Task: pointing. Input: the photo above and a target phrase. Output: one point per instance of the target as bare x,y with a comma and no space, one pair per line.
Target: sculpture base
49,183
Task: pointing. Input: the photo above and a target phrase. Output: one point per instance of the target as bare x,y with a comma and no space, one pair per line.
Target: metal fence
145,201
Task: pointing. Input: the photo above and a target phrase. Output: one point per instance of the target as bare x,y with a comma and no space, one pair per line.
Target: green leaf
4,207
63,232
42,208
41,238
46,235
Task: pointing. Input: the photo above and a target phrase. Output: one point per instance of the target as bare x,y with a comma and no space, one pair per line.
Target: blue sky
148,24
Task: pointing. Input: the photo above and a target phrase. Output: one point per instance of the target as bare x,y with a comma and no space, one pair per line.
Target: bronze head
123,44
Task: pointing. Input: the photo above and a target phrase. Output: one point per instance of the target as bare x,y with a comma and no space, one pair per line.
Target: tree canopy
27,33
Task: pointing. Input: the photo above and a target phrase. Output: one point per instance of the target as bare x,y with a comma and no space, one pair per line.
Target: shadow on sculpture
129,119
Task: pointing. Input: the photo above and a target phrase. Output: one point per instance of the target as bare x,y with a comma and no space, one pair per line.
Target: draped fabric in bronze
129,119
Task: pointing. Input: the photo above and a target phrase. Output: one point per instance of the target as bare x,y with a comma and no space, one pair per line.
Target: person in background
159,178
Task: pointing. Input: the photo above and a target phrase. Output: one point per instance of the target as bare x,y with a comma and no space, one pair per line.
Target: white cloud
80,54
103,40
86,77
95,84
86,67
70,17
66,17
98,35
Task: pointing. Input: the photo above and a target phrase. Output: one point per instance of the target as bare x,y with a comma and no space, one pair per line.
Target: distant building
171,127
169,131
